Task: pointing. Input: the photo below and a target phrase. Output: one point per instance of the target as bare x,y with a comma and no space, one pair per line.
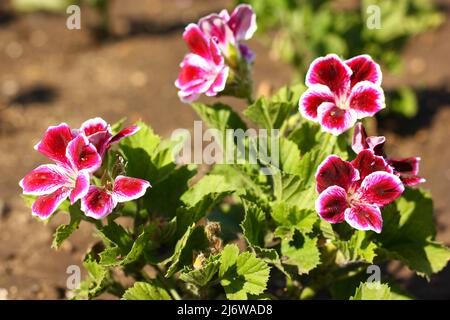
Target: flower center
341,101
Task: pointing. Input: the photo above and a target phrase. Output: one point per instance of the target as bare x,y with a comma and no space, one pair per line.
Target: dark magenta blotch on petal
334,171
367,162
97,203
380,188
331,204
364,68
329,71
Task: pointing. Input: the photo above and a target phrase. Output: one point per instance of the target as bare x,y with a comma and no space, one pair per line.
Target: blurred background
124,60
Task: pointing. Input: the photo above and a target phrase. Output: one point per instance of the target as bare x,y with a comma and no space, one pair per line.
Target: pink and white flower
230,30
203,71
98,131
101,201
356,191
340,92
69,178
406,168
77,155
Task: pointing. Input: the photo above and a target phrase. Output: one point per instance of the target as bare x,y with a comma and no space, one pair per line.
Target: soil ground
49,75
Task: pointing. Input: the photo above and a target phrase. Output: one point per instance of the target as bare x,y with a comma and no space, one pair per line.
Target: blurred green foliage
301,30
41,5
100,28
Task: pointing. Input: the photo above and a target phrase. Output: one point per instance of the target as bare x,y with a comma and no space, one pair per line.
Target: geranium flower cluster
341,92
77,154
357,191
217,54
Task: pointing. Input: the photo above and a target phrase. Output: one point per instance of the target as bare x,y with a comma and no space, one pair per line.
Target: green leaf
290,94
99,277
203,275
242,275
228,258
165,198
200,199
291,216
357,249
209,185
193,240
219,116
145,158
372,291
63,232
289,157
305,136
409,234
144,139
267,114
117,236
254,224
245,178
301,251
146,291
291,189
125,253
270,255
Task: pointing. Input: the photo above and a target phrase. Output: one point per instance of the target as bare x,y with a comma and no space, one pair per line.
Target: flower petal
380,188
376,143
100,141
215,27
194,75
188,97
197,41
80,188
359,142
405,165
329,71
335,120
364,217
83,155
45,179
411,180
219,83
93,126
331,204
243,22
364,68
127,132
366,99
97,203
45,205
407,169
55,142
126,188
334,171
367,162
312,98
